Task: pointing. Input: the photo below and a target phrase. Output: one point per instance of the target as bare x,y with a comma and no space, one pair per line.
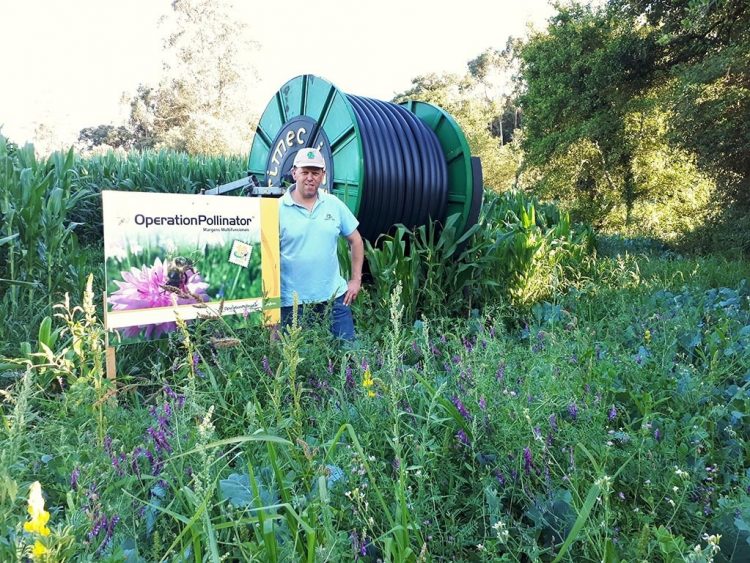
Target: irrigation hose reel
389,163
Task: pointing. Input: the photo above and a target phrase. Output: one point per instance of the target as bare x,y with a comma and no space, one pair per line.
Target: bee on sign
179,271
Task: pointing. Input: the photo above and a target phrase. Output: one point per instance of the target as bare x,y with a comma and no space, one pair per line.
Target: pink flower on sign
151,287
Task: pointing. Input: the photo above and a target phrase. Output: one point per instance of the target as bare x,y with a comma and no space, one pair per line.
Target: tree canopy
200,104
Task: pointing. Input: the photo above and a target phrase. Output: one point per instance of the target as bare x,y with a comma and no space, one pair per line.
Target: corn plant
39,246
514,253
162,172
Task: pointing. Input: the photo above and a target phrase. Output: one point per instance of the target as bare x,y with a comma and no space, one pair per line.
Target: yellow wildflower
367,381
647,336
38,550
39,517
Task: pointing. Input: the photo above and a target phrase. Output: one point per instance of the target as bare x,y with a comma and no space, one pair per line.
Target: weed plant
511,397
611,425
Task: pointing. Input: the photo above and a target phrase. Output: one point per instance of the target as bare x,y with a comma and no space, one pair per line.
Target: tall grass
511,398
611,427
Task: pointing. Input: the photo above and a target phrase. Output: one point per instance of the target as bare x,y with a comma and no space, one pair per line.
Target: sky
67,63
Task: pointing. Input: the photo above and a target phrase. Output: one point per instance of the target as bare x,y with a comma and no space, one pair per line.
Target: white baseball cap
309,157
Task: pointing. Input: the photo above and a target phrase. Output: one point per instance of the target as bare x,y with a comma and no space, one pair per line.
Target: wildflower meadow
525,391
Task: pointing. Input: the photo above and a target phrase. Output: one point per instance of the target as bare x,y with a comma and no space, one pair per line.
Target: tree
109,136
475,100
200,105
705,55
582,77
493,72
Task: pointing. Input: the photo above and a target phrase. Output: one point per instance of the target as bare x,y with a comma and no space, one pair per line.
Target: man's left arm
357,251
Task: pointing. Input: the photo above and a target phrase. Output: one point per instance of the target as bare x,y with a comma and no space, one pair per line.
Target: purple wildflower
169,393
144,288
612,414
99,523
74,478
483,403
92,493
117,460
468,346
157,468
349,378
573,411
539,345
364,365
553,422
267,366
461,407
134,456
160,439
456,359
108,525
528,460
657,435
463,438
467,376
108,445
500,373
500,477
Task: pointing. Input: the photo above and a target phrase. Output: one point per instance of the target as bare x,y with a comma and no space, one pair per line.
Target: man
311,222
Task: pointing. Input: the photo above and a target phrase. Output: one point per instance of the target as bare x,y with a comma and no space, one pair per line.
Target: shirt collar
286,199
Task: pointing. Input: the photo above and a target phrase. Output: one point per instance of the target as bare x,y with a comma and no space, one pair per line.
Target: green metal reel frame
331,112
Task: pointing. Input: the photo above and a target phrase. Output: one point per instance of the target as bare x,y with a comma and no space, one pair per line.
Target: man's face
308,179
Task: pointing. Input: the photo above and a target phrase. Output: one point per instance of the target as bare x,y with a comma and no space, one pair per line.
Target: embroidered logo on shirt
329,217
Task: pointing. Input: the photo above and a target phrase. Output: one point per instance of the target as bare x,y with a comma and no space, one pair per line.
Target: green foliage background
531,390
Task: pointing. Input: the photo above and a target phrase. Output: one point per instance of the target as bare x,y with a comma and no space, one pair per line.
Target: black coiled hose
405,172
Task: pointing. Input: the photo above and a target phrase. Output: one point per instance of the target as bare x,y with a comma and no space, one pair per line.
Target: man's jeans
342,322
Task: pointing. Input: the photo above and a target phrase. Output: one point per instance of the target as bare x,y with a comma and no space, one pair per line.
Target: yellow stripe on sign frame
270,261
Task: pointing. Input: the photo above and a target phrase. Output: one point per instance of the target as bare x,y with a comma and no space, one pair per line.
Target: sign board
188,256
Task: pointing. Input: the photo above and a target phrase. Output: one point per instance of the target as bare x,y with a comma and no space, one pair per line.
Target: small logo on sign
240,253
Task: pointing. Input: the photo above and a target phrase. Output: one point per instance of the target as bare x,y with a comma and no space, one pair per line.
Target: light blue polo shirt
308,246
